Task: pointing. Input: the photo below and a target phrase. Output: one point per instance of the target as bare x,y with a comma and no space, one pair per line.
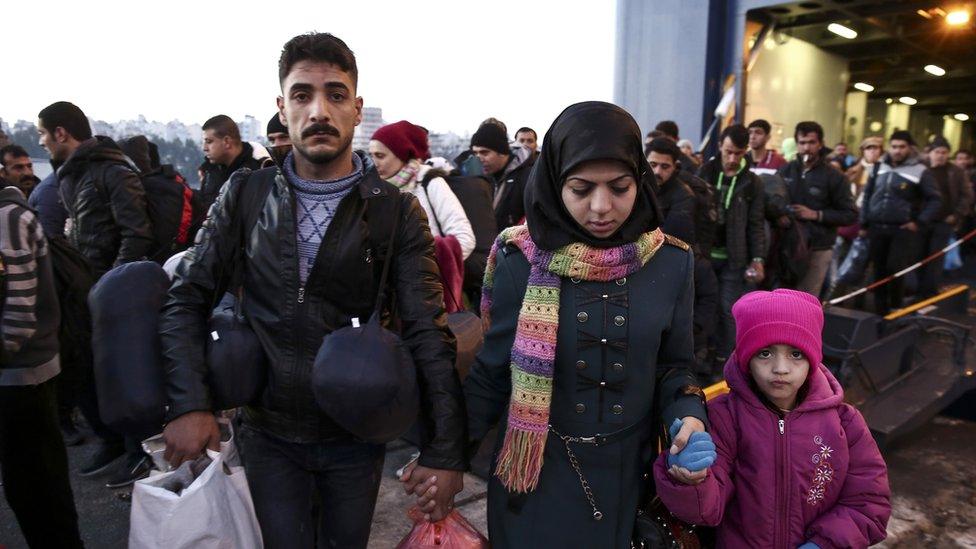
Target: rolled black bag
237,366
365,380
363,377
129,378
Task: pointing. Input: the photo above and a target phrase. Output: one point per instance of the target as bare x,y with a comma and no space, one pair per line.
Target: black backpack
475,195
175,210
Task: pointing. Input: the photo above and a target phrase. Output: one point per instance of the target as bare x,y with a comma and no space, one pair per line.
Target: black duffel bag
364,377
237,366
129,378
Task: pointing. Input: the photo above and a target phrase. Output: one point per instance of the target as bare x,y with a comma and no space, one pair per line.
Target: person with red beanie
398,151
795,466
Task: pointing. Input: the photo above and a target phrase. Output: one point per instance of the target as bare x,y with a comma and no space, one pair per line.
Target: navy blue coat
640,375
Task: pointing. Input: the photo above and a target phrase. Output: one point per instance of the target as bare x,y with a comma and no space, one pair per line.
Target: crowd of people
615,274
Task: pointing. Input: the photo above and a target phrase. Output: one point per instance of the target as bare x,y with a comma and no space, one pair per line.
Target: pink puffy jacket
814,474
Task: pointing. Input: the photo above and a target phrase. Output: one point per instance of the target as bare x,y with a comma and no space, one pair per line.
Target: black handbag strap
390,250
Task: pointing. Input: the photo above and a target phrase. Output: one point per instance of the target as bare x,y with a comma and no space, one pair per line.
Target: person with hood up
794,466
508,168
589,308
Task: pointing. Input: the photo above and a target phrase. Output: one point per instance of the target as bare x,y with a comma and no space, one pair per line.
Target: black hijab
592,130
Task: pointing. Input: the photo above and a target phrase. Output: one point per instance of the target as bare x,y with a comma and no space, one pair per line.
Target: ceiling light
889,101
908,100
850,34
924,14
935,69
962,117
863,87
958,17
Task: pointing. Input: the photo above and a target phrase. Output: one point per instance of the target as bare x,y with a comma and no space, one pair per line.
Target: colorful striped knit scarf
533,356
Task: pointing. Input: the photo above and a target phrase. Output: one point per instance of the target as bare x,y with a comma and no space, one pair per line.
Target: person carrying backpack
107,217
175,209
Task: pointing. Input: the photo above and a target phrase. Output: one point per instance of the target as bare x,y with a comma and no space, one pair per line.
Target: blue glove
698,454
809,545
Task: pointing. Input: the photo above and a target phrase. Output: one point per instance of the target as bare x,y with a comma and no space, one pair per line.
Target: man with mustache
16,169
309,269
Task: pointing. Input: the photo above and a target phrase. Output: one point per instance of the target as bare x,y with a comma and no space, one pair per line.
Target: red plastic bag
453,532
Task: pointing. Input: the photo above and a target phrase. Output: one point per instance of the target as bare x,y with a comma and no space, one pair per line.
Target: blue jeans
312,495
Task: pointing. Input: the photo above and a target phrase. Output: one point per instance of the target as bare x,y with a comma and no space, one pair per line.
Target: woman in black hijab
589,310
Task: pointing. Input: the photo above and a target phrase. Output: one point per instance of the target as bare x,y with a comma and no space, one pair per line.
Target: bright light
863,87
935,69
962,117
908,100
842,31
889,101
958,17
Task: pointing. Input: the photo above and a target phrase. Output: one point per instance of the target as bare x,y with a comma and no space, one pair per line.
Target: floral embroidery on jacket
823,473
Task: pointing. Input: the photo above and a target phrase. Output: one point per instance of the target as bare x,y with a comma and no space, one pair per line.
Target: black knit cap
275,126
940,141
902,135
492,137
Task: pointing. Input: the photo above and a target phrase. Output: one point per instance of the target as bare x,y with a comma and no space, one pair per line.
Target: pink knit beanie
785,317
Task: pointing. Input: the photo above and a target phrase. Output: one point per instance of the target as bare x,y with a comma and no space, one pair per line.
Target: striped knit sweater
29,315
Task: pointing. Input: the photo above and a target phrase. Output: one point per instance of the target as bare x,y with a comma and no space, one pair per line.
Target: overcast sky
446,65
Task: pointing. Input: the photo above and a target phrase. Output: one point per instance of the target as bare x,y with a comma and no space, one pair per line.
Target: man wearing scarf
586,335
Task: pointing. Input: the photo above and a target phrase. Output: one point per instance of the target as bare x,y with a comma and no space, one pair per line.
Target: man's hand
951,220
681,432
862,233
435,489
760,273
188,435
784,222
911,226
804,213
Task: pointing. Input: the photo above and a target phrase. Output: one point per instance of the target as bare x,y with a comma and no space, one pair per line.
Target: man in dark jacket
508,167
100,189
679,207
669,129
225,154
740,240
957,202
33,461
901,200
820,197
280,143
314,214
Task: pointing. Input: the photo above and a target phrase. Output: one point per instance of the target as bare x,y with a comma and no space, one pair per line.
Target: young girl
795,465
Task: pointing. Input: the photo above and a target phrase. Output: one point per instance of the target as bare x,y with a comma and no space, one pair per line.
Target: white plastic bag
189,508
